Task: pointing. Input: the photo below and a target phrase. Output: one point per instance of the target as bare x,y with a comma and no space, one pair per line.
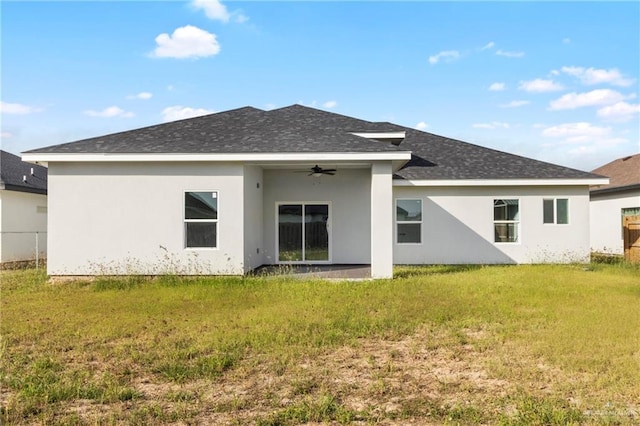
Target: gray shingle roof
243,130
437,157
302,129
13,171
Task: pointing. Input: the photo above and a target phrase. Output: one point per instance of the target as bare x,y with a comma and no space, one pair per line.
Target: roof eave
399,158
615,189
500,182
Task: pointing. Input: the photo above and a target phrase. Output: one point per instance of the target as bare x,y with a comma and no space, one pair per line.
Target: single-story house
228,192
610,203
23,209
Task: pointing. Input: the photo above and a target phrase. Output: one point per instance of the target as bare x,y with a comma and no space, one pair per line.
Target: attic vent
394,138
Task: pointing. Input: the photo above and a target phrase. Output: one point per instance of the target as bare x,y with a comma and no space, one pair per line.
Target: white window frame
555,211
185,220
408,222
516,222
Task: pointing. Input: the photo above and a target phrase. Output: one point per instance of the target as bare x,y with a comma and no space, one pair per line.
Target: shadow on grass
407,271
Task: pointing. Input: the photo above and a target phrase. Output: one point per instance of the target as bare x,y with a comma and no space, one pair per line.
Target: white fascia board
502,182
45,158
381,135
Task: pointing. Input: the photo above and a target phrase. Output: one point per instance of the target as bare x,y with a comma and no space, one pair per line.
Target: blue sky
555,81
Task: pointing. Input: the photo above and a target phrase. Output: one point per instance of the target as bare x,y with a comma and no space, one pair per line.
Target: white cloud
492,125
592,76
240,17
18,109
594,98
178,112
422,126
6,135
330,104
539,85
445,56
112,111
581,144
489,45
141,95
186,42
497,87
576,132
566,40
515,104
501,52
213,9
620,111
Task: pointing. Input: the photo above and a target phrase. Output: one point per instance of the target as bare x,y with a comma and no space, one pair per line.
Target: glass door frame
277,229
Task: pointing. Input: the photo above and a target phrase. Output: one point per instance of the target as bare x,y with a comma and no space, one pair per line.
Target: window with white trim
555,210
201,219
506,220
409,221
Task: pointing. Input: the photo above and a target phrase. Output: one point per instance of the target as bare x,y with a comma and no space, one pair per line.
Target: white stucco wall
22,214
348,193
606,220
382,220
458,227
253,210
119,218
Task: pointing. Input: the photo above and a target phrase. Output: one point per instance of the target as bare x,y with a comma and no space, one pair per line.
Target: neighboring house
228,192
23,209
610,203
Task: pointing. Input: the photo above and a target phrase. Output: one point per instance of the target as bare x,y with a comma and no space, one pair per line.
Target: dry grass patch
547,345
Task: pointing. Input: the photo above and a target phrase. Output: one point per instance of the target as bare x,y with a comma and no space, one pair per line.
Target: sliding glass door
303,232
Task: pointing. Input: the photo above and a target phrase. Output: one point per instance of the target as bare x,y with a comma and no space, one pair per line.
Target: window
201,219
506,220
409,221
555,211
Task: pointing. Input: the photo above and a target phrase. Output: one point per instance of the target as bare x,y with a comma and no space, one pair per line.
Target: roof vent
24,178
628,157
32,171
394,138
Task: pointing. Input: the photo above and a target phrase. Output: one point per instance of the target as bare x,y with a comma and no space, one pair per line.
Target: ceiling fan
317,171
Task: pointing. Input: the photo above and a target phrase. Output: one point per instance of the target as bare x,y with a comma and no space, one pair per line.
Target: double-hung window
409,221
201,219
506,220
555,210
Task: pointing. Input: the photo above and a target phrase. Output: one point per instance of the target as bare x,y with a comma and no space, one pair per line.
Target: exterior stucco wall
253,211
606,220
347,192
382,211
122,218
22,214
458,227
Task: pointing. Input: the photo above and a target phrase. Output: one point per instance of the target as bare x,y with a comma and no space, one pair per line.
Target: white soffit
314,157
381,135
501,182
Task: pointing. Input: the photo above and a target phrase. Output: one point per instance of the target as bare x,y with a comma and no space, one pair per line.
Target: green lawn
461,345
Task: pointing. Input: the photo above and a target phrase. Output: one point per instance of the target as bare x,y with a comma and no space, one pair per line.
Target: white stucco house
23,209
228,192
611,202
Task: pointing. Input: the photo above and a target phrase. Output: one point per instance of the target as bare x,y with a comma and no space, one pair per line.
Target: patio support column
381,220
